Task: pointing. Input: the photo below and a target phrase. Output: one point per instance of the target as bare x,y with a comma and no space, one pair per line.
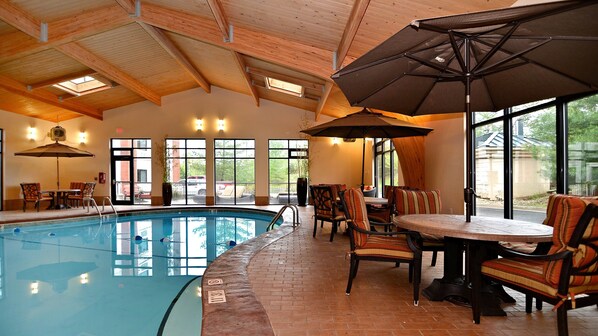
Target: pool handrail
295,210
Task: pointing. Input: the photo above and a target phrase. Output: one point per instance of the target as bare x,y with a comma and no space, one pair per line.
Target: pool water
116,277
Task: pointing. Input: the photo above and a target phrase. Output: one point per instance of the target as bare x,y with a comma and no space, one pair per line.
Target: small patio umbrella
482,61
56,150
367,124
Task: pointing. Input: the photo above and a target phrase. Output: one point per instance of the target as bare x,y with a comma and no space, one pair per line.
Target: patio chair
384,213
371,245
325,207
87,194
75,197
567,276
413,201
32,194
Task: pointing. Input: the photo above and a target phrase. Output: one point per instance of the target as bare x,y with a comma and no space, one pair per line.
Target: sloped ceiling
151,48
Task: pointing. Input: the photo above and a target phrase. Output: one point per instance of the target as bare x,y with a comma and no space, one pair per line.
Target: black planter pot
302,191
166,193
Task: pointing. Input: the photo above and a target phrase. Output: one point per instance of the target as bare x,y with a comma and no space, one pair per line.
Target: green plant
162,159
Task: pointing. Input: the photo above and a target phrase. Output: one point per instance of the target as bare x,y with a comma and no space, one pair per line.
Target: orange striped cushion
553,202
357,211
386,246
568,213
417,201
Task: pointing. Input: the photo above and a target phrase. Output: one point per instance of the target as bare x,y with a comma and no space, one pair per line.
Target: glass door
122,176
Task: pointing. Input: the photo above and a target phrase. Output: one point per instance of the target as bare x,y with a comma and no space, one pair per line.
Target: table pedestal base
458,292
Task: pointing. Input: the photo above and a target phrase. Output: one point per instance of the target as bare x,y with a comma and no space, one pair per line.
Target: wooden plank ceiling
231,44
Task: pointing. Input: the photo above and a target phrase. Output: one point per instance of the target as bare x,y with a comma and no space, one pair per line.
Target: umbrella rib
456,49
496,48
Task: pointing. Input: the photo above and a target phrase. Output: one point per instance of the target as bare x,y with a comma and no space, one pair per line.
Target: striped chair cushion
528,274
568,212
409,202
377,246
358,212
553,202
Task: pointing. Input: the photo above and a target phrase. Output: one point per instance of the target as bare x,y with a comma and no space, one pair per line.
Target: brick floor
301,281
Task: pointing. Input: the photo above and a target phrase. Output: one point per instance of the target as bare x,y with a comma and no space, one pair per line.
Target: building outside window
234,170
186,159
131,159
525,153
288,159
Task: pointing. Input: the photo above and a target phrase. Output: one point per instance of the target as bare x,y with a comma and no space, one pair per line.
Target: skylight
284,87
81,86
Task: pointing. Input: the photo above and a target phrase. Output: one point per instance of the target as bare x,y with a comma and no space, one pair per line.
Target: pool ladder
295,210
92,201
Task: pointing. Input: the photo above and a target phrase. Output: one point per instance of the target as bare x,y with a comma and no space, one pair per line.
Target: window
234,169
186,159
142,175
386,165
139,151
287,160
83,85
284,87
525,153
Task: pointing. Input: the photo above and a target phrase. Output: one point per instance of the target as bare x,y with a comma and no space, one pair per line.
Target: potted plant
163,162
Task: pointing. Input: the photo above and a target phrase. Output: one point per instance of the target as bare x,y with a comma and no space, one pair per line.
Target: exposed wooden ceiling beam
221,20
312,60
60,79
243,67
323,98
357,14
286,78
108,70
23,21
177,54
19,88
15,45
127,5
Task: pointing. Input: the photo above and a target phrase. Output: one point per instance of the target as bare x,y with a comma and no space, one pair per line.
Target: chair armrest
374,222
505,252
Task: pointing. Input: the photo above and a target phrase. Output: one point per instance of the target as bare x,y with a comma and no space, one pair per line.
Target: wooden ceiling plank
108,70
60,79
127,5
357,14
243,67
16,87
323,98
166,43
22,20
220,17
311,60
286,78
15,45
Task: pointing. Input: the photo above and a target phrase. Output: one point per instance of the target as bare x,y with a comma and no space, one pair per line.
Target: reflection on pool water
116,277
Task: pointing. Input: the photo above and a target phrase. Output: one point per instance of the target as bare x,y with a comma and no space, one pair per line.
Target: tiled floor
300,281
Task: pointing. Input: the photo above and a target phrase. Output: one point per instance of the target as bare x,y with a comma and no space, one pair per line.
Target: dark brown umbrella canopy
483,61
367,124
516,55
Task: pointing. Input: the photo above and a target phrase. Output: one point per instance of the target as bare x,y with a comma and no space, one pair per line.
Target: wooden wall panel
411,152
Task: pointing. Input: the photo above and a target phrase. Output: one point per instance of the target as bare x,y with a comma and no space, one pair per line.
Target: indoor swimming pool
137,274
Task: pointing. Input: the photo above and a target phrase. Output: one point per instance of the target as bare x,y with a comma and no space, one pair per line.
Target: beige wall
445,161
330,163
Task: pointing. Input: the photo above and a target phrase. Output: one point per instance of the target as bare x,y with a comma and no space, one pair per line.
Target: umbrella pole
362,163
57,173
468,192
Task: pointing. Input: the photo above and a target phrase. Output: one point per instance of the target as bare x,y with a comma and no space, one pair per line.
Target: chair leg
37,205
434,257
356,267
315,226
352,272
539,304
561,316
333,230
417,270
528,303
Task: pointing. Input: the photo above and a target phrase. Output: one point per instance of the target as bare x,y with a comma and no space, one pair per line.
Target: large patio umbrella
56,150
367,124
483,61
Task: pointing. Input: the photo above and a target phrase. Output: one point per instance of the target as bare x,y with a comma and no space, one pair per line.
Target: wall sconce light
84,278
82,137
221,124
198,124
335,141
31,133
34,287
